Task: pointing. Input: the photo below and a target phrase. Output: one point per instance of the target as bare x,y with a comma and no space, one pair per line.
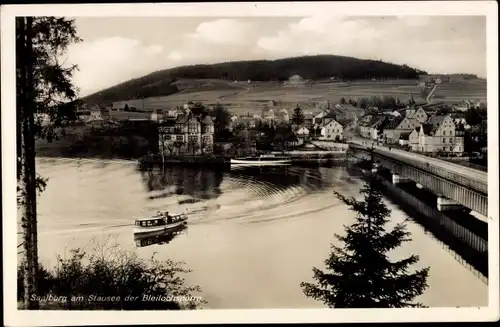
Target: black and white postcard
250,162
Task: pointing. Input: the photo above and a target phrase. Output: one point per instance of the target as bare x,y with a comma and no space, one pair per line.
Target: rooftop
393,122
405,136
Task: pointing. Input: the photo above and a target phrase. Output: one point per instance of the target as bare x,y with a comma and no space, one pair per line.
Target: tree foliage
116,274
359,274
298,117
221,118
198,109
385,102
473,117
44,89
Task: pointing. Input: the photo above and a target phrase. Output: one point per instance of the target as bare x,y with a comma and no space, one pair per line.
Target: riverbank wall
462,234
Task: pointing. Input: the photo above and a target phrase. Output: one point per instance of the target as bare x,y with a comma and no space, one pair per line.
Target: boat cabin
150,222
160,220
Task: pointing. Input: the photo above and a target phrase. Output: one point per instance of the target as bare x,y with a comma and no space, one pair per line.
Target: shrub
110,278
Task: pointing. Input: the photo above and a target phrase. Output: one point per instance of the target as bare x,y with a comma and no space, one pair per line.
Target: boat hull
152,230
260,162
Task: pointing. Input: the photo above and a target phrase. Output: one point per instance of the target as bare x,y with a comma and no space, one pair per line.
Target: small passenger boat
262,160
160,237
161,222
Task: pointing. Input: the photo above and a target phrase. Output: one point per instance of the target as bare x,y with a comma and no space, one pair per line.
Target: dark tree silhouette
359,273
43,88
221,118
472,117
198,109
298,116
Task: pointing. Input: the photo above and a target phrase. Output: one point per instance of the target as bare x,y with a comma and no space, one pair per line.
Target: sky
116,49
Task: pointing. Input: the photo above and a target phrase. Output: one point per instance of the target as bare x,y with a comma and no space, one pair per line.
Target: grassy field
244,97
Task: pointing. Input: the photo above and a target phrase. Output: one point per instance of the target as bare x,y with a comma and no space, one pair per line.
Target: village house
160,114
283,116
309,120
186,134
296,80
414,138
331,129
420,114
269,115
318,118
302,133
95,113
396,125
370,126
437,134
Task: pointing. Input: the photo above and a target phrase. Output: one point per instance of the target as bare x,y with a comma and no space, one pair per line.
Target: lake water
255,234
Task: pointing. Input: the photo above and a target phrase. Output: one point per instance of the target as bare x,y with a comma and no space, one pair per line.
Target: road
429,96
471,173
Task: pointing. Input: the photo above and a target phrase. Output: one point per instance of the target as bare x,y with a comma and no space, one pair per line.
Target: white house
395,126
414,138
302,135
437,134
302,132
332,130
369,126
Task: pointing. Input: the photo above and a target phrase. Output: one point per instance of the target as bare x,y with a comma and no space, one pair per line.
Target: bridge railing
429,167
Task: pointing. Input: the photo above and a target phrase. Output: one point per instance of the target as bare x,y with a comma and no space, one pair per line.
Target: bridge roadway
475,181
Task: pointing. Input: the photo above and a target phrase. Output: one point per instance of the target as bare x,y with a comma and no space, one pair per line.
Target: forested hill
309,67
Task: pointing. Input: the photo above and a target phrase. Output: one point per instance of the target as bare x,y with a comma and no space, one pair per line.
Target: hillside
163,83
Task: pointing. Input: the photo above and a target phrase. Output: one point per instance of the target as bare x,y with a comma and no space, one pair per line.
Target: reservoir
254,236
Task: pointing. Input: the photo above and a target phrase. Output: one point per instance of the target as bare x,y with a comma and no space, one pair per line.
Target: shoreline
148,161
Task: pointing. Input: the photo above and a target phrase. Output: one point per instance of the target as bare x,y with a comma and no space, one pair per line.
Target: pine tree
298,117
43,87
359,273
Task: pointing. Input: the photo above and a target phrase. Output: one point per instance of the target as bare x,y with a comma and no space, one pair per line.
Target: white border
13,317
